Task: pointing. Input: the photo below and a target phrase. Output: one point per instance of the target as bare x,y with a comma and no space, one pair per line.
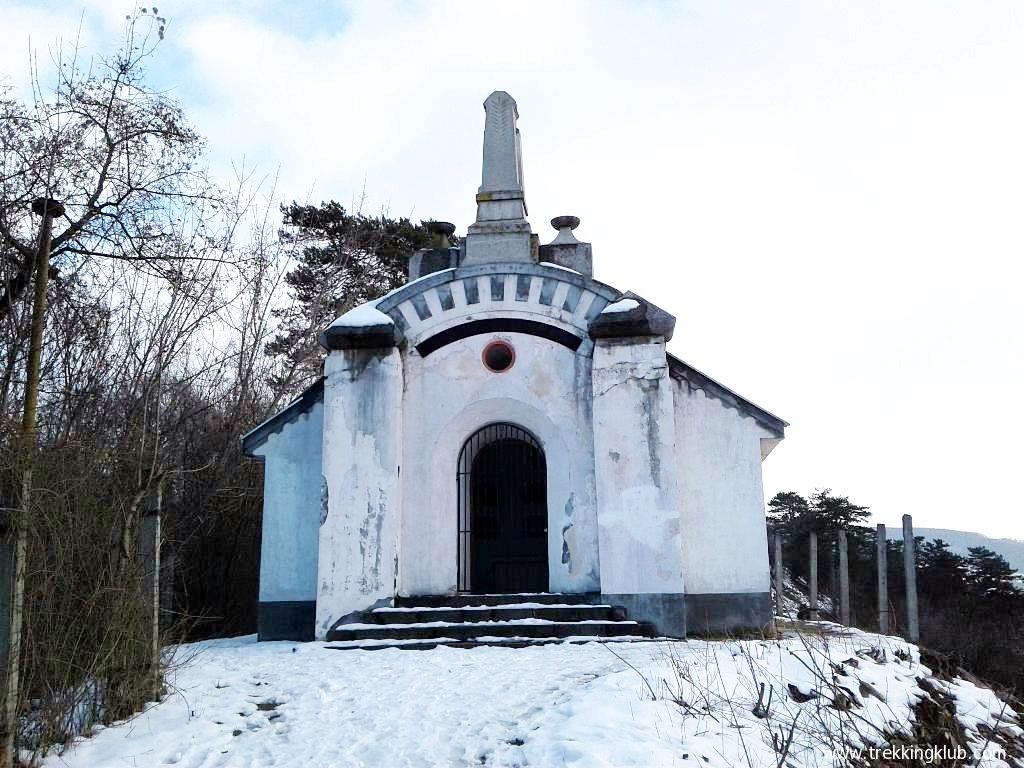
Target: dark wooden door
508,511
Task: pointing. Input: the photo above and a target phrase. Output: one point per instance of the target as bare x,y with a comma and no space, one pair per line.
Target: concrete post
6,584
910,577
148,550
844,580
778,574
883,581
812,578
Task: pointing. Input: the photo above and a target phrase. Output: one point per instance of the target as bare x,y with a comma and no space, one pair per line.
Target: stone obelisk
501,231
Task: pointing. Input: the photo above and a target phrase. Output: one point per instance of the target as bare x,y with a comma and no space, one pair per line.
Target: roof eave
259,434
682,370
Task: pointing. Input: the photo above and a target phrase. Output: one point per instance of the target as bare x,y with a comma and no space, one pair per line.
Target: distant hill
959,541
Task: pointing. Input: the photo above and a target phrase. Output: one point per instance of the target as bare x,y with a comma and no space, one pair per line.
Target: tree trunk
9,725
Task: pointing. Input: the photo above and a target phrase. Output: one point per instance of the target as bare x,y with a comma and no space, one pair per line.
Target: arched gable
540,299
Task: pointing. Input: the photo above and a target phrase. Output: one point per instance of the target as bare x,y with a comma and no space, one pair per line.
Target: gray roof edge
425,283
259,434
681,370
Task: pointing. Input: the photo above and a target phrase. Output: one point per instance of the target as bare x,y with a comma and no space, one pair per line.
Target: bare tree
119,155
140,275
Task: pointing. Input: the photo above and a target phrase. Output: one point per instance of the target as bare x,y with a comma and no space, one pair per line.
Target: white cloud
828,197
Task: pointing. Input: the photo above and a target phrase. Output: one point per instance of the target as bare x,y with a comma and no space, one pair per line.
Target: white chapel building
507,431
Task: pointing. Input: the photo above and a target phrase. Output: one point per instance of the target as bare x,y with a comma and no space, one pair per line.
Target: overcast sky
829,197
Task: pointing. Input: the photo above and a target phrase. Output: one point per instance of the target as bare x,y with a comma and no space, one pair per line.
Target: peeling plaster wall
361,450
725,547
634,445
449,395
291,509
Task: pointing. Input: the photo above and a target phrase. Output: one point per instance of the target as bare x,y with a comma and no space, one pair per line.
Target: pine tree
343,259
989,575
795,517
786,508
831,513
941,572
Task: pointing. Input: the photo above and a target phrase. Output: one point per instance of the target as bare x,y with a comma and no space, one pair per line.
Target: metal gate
503,516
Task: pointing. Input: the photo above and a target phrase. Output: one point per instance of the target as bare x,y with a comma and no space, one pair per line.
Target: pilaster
358,542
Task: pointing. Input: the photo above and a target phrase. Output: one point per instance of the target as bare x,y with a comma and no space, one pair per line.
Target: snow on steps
461,621
479,642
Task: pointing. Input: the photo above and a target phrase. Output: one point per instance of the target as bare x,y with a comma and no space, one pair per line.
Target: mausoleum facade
507,424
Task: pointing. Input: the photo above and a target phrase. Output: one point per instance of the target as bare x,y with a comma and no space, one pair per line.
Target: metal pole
813,576
910,577
883,581
844,580
778,574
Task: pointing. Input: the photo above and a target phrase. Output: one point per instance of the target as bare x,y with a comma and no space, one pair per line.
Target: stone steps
465,621
519,598
470,630
562,613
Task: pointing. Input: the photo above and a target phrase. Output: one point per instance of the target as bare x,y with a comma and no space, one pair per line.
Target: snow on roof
364,316
558,266
624,305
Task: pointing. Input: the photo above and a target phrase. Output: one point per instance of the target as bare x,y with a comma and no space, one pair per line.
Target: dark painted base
286,620
728,612
667,612
675,615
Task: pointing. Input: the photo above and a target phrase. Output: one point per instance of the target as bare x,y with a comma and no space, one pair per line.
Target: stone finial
440,255
440,232
565,225
565,250
503,164
501,232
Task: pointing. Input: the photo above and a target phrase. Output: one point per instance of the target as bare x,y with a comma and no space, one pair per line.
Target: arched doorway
503,512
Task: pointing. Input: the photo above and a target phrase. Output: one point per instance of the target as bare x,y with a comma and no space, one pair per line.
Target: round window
498,356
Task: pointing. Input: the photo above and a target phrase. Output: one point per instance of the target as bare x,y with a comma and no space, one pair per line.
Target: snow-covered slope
795,597
661,703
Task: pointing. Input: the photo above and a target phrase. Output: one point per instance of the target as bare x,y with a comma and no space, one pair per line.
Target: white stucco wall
652,489
450,395
361,453
718,453
638,507
291,508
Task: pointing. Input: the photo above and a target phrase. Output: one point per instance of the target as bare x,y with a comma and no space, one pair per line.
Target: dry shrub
88,624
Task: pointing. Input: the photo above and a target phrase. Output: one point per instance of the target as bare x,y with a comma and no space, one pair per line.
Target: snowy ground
236,703
794,597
